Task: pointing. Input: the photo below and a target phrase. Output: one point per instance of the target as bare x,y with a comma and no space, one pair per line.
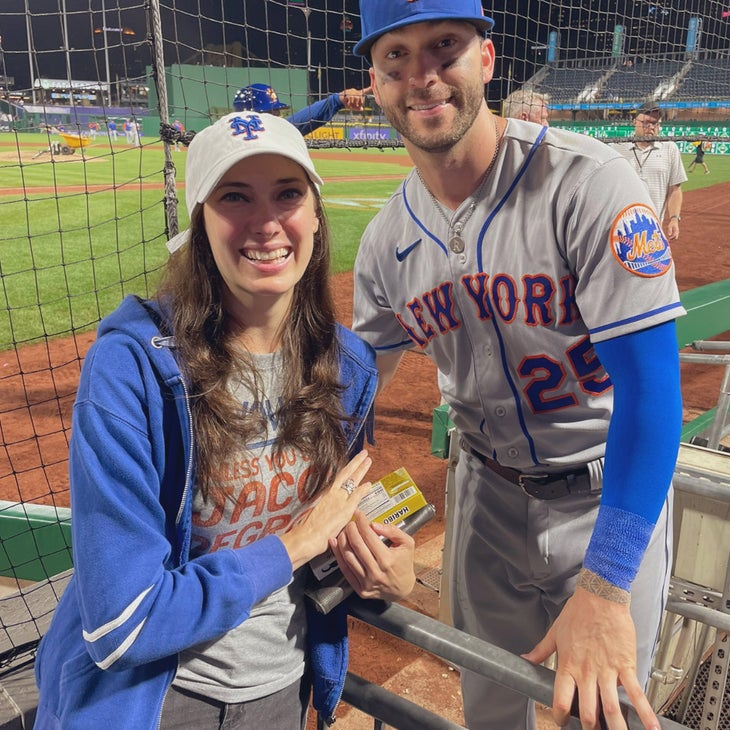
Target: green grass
67,258
719,172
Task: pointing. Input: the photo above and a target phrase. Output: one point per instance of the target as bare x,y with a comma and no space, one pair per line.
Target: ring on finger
348,485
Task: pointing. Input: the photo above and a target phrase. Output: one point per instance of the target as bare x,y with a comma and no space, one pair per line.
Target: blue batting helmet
257,98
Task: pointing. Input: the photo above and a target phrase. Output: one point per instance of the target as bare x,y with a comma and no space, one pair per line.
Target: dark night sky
520,34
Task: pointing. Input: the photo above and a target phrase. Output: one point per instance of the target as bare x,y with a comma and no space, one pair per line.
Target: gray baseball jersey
563,248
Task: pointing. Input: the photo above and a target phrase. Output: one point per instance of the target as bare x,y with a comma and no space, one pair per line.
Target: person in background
529,264
178,126
699,158
262,98
217,448
658,164
528,105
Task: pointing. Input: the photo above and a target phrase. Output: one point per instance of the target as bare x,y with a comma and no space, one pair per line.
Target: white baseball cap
217,148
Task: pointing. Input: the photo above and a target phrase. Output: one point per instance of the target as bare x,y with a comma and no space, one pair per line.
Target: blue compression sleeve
641,450
315,115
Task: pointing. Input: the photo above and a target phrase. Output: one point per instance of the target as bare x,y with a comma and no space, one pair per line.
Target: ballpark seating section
705,80
632,81
566,84
640,80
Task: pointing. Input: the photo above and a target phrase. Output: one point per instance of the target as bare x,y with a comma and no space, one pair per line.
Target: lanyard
646,157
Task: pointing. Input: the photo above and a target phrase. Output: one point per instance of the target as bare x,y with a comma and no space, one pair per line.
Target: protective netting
88,189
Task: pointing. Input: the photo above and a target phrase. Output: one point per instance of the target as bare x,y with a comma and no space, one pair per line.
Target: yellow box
392,499
389,501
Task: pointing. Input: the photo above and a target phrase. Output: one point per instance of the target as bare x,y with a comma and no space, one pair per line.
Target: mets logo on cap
248,127
638,242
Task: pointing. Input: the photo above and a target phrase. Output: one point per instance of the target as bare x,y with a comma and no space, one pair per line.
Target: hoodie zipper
363,423
363,420
189,468
158,342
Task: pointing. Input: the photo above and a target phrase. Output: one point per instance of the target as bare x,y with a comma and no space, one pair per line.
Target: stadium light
106,52
29,36
64,18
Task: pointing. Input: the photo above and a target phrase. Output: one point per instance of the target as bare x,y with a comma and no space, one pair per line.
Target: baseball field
80,232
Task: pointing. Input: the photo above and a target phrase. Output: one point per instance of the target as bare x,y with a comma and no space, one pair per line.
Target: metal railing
462,650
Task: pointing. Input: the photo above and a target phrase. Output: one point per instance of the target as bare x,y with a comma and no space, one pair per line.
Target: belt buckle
543,486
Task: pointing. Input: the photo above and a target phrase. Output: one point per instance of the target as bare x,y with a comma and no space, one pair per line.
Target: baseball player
529,264
262,98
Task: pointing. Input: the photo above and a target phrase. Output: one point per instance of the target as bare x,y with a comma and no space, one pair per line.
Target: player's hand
354,99
373,569
595,641
673,229
333,510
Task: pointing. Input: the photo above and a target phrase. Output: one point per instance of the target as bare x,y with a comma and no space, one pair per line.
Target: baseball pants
515,562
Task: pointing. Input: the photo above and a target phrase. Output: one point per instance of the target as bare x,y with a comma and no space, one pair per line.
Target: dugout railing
18,696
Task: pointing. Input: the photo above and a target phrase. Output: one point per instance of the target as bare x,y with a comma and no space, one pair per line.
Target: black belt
540,486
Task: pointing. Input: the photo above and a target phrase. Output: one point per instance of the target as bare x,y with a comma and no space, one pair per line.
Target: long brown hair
310,418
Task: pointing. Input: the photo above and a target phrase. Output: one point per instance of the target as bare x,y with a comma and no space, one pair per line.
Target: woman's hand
332,511
372,568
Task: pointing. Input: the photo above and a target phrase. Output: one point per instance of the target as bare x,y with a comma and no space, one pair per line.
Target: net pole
160,80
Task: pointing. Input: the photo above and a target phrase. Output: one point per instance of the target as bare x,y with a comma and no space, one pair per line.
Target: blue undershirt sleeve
316,115
641,449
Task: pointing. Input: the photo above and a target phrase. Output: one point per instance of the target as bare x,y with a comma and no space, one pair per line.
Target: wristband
617,545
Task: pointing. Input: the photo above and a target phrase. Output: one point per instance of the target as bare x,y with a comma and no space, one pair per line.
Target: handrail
469,652
387,707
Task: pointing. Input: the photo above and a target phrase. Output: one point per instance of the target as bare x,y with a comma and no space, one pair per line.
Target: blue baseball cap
257,98
378,17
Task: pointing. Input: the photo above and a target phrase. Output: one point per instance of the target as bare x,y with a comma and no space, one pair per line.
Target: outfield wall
616,132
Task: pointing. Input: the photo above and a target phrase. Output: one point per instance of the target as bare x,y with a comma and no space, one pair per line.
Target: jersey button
513,453
500,411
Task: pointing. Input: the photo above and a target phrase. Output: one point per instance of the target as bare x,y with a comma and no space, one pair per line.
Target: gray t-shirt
266,652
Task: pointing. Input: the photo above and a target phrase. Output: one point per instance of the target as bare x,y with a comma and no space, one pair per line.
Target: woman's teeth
279,253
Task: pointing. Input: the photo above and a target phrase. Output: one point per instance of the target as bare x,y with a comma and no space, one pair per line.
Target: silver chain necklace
456,242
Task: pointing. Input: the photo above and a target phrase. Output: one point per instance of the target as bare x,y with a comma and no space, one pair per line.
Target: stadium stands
640,80
568,84
623,83
705,79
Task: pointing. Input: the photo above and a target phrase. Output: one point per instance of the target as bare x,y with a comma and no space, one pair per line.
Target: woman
209,464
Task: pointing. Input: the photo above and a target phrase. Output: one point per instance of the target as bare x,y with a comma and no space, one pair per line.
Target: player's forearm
641,449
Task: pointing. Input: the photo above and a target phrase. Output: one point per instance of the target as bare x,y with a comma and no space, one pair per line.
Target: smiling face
260,221
429,79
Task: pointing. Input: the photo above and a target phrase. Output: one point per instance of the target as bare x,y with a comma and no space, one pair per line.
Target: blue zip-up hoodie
136,599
